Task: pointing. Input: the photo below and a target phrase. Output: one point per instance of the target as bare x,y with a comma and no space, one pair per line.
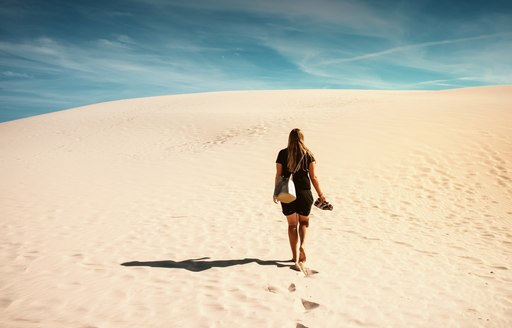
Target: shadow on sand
201,264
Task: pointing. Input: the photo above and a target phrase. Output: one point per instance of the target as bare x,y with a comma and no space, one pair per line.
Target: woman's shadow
202,264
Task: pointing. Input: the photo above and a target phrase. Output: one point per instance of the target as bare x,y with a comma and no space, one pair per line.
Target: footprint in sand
4,303
308,305
299,325
271,289
292,288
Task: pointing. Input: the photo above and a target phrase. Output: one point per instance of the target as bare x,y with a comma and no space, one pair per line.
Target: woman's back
301,177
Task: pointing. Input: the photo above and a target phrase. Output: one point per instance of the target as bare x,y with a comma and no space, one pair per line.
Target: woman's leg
293,221
303,228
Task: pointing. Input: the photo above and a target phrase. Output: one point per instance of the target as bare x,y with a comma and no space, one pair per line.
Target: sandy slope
179,190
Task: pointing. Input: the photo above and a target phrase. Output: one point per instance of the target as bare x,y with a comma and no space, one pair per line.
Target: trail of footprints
497,167
234,134
307,304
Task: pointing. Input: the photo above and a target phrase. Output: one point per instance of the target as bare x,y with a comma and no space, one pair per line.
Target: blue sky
62,54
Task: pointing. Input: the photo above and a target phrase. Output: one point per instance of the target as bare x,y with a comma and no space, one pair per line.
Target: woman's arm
315,182
279,171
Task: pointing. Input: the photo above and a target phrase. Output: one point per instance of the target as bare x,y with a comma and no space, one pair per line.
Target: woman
298,157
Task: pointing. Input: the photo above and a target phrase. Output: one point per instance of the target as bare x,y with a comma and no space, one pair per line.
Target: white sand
420,236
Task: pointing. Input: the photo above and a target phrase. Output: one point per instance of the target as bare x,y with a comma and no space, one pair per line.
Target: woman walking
299,160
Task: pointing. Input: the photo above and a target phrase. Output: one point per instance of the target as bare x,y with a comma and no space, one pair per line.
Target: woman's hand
322,197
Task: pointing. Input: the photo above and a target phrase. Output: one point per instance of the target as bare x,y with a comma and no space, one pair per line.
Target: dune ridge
157,212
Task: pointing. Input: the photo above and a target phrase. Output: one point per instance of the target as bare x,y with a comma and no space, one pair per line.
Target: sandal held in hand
323,205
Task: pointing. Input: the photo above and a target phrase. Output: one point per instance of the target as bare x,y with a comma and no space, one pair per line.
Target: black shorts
302,205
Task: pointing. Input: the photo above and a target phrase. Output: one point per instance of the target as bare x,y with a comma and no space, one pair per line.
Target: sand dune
157,212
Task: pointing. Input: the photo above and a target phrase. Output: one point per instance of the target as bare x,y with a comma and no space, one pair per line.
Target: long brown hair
297,150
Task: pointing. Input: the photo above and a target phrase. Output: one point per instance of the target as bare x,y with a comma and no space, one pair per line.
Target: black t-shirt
301,177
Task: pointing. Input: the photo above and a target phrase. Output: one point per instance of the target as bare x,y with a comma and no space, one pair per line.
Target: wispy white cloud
42,50
123,67
118,41
486,56
442,83
412,47
15,74
357,17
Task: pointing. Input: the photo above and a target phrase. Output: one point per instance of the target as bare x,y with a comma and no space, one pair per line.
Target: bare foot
302,256
299,267
307,271
302,267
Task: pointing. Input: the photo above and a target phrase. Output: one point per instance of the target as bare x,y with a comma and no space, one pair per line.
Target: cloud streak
414,46
15,74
